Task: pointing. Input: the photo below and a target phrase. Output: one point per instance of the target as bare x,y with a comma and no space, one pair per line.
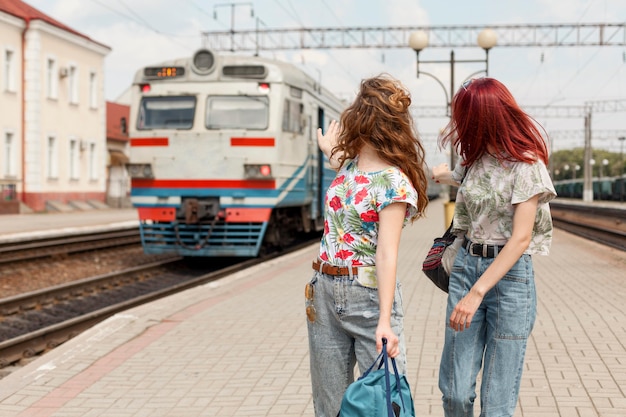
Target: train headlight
140,170
257,171
203,62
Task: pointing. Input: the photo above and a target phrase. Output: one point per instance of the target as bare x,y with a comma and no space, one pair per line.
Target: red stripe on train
233,215
162,214
245,215
256,184
268,142
149,141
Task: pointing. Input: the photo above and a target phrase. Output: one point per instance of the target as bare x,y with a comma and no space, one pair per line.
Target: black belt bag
482,249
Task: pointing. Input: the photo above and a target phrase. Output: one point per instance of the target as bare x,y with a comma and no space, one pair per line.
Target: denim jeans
495,341
342,333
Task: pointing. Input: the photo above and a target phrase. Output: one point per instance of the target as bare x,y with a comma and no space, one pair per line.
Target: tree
569,158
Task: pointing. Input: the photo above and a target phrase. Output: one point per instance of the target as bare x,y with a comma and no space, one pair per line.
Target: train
224,160
605,188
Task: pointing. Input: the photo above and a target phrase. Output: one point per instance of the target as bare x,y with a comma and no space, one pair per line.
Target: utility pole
587,155
598,106
232,19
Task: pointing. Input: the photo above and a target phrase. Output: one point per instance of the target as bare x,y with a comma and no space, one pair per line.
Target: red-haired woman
353,300
502,210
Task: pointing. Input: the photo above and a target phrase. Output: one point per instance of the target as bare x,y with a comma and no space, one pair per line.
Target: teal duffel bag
379,393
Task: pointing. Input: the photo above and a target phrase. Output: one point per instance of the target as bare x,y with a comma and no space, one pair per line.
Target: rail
33,323
601,223
50,246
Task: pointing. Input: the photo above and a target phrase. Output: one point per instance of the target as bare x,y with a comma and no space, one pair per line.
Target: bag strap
379,358
384,360
395,370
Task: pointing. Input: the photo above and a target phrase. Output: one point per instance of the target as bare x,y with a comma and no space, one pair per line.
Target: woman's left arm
391,220
523,222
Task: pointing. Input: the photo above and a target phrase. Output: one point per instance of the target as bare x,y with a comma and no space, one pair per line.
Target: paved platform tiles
239,347
18,227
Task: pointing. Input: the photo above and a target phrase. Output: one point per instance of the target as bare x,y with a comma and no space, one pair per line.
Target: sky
147,32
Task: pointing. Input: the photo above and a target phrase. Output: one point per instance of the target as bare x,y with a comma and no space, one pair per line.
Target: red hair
487,119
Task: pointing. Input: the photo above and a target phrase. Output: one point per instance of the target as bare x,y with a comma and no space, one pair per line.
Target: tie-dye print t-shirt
352,204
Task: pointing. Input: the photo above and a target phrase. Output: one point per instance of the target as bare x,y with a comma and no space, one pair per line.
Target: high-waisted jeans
496,340
343,333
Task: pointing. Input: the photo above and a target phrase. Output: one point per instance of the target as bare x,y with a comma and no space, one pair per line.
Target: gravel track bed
20,277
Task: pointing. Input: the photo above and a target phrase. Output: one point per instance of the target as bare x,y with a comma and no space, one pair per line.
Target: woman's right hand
393,342
328,141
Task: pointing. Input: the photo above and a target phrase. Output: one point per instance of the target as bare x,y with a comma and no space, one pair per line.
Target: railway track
36,322
33,323
61,245
603,224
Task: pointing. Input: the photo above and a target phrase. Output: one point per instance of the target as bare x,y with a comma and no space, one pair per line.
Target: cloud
144,32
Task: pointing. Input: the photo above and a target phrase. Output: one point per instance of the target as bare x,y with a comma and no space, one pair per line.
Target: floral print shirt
485,201
352,204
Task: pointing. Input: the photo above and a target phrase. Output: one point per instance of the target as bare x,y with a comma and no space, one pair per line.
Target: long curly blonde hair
379,116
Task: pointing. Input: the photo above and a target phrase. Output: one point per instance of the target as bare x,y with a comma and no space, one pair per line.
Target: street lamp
604,163
592,162
418,40
575,168
601,166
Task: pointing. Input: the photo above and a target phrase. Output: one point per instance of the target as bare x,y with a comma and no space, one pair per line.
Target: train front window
237,112
166,112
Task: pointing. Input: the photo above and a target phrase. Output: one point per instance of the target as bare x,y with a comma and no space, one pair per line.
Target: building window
93,171
52,79
9,157
72,82
9,70
93,90
53,156
73,156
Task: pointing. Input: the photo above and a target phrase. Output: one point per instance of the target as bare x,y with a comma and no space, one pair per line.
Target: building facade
118,181
53,124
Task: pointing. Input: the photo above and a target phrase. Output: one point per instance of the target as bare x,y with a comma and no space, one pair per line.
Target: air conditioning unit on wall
63,71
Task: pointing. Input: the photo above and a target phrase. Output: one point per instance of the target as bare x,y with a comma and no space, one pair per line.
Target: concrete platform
17,227
238,347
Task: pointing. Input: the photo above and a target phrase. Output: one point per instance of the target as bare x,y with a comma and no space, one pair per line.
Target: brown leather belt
329,269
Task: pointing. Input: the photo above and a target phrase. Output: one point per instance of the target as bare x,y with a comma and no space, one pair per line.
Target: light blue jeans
496,340
343,334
